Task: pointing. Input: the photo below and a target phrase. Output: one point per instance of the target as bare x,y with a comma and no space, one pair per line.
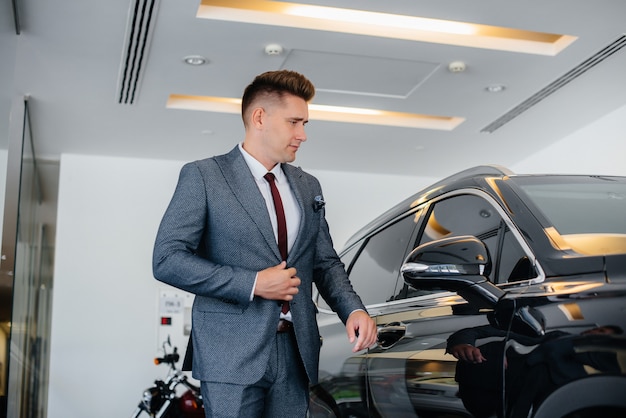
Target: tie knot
269,177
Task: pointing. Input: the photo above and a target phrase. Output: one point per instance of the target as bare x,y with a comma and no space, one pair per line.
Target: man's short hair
277,84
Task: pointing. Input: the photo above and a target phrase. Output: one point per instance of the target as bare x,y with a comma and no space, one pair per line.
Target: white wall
598,148
104,297
105,301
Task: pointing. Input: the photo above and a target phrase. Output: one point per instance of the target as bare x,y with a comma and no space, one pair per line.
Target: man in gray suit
219,239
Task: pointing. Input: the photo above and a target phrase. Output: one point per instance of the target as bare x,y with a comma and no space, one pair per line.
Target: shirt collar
258,170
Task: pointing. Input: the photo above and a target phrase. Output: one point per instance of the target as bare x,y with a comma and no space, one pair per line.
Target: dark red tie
282,224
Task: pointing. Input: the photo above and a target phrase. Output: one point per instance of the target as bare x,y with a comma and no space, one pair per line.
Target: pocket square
318,204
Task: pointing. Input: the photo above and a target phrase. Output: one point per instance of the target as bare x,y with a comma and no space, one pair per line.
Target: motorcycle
161,400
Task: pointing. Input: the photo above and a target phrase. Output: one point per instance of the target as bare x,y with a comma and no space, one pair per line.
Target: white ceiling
69,54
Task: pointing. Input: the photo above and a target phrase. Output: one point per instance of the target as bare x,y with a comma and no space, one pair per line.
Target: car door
373,265
409,372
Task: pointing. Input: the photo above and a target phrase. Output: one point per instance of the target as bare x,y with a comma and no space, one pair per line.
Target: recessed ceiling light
195,60
495,88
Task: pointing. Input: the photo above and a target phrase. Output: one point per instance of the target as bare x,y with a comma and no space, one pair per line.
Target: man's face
283,129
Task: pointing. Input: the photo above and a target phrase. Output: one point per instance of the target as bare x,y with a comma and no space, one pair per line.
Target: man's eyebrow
297,119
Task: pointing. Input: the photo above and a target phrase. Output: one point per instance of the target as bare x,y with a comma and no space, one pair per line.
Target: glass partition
8,47
26,268
27,229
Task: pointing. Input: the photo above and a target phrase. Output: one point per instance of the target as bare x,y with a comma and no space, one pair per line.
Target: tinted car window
585,213
575,206
472,215
375,271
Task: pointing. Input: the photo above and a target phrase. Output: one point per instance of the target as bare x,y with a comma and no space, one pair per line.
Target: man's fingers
292,290
362,329
278,282
280,266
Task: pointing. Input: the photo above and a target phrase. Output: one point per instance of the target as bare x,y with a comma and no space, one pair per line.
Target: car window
374,273
512,264
469,214
586,213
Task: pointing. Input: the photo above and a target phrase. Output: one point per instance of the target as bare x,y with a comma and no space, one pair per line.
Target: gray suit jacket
215,236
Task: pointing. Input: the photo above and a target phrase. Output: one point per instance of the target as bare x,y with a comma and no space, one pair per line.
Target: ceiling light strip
557,84
325,113
362,22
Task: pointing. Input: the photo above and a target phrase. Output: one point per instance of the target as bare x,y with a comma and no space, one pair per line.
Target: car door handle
390,334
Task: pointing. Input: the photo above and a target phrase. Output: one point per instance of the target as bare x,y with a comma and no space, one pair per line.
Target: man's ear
257,117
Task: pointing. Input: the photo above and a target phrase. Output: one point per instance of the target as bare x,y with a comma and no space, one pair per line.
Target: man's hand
277,283
467,352
359,323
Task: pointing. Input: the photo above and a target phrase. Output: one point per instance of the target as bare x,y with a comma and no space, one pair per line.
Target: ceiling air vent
574,73
141,18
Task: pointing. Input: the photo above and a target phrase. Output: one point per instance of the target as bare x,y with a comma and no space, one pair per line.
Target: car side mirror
458,264
461,264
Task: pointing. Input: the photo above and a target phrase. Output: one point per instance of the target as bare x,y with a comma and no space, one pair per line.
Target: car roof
467,178
401,207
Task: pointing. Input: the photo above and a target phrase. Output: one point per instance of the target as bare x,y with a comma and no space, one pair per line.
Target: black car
531,269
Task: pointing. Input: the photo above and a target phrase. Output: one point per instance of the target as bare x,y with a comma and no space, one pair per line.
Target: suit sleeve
176,258
330,274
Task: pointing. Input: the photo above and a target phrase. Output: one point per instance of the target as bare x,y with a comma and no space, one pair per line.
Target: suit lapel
243,186
294,176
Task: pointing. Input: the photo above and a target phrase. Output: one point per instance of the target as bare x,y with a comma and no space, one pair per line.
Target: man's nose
301,134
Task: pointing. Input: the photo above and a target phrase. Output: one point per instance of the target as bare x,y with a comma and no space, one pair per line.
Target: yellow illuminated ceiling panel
321,112
385,25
